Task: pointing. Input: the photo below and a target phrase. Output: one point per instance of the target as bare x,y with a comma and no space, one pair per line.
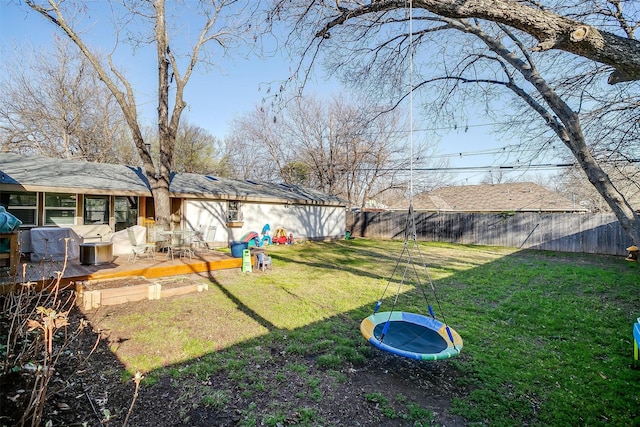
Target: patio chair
208,238
185,243
138,249
165,242
197,238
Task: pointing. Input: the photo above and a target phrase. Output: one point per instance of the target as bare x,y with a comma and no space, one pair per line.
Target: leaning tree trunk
570,132
565,123
628,218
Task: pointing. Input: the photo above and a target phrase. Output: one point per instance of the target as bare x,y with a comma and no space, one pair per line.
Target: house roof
207,186
518,197
48,174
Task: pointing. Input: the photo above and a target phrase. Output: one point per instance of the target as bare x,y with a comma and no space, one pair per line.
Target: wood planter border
92,299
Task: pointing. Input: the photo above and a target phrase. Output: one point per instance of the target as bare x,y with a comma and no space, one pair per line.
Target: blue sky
216,96
213,96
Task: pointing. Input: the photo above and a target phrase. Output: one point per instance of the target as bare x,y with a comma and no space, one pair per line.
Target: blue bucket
237,248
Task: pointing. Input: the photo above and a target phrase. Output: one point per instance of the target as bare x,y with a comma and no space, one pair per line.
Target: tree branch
551,30
127,104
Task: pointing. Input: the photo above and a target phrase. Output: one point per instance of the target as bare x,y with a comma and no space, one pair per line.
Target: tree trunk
162,204
566,126
158,175
166,137
629,220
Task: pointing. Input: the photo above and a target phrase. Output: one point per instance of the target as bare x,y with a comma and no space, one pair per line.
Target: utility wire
498,150
543,166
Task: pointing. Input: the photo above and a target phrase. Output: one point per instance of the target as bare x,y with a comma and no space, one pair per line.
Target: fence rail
565,232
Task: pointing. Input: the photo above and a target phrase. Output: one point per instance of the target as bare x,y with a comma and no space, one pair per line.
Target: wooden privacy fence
565,232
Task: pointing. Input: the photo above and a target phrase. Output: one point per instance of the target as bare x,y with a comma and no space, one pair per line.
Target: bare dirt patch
91,388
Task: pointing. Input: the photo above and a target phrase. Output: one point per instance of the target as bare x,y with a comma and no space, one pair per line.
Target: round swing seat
411,335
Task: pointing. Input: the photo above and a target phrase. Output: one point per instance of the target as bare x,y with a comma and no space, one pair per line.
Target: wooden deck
43,273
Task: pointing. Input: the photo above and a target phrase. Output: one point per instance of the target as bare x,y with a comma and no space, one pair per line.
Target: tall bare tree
222,24
196,150
484,58
53,104
258,151
348,148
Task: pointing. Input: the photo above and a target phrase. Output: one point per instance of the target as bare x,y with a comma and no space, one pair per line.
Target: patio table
176,241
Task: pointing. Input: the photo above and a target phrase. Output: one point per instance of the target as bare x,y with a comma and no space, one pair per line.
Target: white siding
207,213
303,221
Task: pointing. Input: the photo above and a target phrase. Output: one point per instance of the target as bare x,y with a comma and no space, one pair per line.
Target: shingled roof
73,176
46,174
516,197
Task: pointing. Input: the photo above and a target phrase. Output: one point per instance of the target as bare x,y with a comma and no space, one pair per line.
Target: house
47,192
510,197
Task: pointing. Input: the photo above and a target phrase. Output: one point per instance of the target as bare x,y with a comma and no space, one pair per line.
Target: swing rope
410,232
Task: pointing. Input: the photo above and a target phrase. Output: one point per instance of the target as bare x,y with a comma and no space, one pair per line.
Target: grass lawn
547,336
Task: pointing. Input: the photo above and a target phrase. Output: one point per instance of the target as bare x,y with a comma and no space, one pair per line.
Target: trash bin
237,248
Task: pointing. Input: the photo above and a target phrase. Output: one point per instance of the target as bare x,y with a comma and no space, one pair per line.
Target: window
233,211
96,209
60,209
126,212
22,205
